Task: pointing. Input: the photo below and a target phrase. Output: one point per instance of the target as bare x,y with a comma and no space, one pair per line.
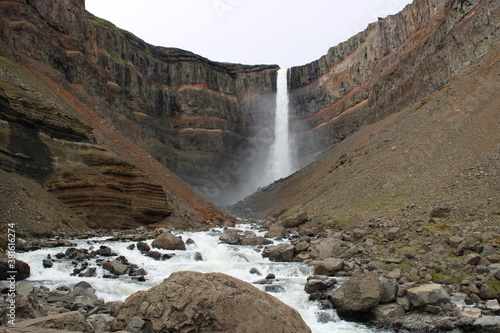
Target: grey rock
388,311
281,253
487,324
295,220
389,290
427,294
115,267
360,293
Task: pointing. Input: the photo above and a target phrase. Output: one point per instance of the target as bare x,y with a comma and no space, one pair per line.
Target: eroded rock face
212,302
205,121
384,68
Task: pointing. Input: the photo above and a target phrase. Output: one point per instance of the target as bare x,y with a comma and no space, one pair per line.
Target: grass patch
494,285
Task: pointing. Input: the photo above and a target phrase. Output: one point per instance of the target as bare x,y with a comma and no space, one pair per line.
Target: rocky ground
407,272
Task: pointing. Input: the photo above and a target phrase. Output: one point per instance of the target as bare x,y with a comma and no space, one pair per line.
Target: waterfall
280,163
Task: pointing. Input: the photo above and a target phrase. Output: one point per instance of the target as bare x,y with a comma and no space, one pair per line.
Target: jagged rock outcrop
208,122
212,302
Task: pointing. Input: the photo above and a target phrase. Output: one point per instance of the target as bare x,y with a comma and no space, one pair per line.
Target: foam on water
217,257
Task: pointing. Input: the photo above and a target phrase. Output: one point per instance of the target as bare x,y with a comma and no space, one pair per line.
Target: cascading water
280,162
234,260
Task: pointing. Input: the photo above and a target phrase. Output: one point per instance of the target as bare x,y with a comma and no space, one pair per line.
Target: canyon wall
391,64
208,122
94,116
404,117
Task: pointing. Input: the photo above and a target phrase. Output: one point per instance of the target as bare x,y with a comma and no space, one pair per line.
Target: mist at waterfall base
234,260
264,158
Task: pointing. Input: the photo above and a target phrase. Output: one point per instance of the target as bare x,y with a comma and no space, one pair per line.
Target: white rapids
234,260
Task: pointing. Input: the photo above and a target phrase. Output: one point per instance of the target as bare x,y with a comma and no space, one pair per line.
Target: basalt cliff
109,130
403,114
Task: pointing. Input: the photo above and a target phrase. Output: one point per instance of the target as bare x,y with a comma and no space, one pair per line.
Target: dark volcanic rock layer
405,114
67,124
395,62
195,116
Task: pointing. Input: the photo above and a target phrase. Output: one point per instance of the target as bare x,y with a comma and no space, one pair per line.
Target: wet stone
47,263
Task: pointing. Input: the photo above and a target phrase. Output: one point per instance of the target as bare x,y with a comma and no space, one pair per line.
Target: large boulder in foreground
357,295
212,302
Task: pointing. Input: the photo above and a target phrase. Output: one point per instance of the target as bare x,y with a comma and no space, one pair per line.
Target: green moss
28,78
494,285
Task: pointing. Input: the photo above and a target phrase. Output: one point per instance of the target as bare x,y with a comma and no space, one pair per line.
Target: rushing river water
234,260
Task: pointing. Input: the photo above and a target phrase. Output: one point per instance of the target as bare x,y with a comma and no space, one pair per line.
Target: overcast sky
283,32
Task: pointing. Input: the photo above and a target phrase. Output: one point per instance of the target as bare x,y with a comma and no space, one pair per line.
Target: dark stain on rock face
28,154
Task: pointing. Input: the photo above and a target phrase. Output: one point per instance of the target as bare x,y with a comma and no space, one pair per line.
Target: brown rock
277,231
71,321
281,252
360,293
295,220
328,266
472,259
427,294
388,311
212,302
167,241
22,269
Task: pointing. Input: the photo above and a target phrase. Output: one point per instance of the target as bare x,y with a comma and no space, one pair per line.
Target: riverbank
460,264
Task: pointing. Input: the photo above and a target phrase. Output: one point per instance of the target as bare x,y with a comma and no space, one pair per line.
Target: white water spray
280,163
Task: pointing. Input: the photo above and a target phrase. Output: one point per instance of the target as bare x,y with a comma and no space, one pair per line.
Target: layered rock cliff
85,123
393,63
208,122
406,116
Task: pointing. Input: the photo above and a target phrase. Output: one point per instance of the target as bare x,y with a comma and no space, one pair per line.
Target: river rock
22,269
143,247
295,220
391,310
318,283
277,230
231,236
212,302
115,267
168,241
281,252
47,263
427,294
487,324
254,241
70,321
328,266
359,294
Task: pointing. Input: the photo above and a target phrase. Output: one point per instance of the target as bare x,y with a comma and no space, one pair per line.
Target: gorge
383,154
